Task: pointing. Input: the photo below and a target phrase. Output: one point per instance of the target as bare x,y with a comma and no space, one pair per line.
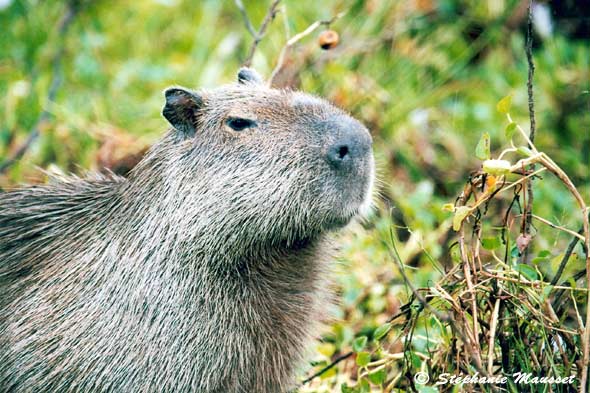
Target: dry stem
296,38
257,35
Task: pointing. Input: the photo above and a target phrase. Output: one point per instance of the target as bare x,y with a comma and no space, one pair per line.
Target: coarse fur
203,271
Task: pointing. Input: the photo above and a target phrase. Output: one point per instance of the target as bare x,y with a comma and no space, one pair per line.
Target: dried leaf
522,241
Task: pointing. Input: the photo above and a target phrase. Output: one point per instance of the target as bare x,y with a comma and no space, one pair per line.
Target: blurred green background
423,75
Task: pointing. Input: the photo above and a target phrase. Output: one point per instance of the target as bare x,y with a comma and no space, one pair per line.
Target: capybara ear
181,109
249,75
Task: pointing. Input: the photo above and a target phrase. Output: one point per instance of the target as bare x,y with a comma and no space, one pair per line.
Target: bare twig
491,345
296,38
528,207
72,8
555,226
257,35
566,257
328,367
474,337
247,21
563,288
531,72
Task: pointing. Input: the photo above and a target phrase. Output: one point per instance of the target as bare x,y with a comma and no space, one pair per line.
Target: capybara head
278,166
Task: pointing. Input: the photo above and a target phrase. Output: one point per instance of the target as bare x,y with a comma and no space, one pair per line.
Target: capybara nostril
342,152
350,145
338,153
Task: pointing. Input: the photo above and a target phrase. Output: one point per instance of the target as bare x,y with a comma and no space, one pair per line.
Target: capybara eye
239,124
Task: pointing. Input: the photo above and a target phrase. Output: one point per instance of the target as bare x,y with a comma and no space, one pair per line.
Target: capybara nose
339,153
350,144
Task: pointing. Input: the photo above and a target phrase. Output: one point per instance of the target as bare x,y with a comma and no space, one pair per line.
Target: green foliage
381,331
503,106
363,358
359,343
510,129
482,151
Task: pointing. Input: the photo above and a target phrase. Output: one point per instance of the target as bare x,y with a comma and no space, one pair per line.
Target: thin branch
296,38
555,226
531,73
402,311
257,35
563,288
491,343
566,257
72,8
247,21
528,208
328,367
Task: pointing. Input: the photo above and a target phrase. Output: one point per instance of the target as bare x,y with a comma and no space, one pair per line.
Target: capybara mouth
357,200
342,221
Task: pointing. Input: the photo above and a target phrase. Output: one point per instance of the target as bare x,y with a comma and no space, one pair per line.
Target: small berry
328,39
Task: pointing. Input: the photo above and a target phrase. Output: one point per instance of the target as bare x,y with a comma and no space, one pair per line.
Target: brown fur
204,271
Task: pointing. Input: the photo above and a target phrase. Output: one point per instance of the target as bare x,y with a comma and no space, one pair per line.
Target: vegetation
459,270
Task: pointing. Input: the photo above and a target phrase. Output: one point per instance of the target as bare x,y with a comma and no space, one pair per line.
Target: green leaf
448,207
460,214
363,358
514,255
572,283
491,243
504,104
509,131
527,271
415,359
364,386
482,151
538,260
359,343
525,151
497,167
547,291
377,377
542,257
326,349
344,388
381,331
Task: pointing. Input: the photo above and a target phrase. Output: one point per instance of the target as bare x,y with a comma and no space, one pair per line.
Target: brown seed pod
328,39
